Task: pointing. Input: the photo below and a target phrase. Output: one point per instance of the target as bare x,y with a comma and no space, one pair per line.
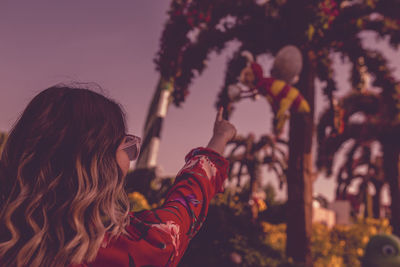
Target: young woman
62,199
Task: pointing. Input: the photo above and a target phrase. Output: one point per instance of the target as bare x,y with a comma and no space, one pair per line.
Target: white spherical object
287,64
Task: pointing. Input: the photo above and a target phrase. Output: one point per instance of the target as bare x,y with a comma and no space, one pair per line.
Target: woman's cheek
123,161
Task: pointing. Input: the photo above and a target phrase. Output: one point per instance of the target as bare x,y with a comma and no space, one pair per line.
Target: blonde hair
61,187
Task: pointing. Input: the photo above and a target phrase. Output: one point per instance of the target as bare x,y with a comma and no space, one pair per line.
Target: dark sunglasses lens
132,152
129,139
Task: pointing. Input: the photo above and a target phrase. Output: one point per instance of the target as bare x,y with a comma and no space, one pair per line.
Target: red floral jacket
160,237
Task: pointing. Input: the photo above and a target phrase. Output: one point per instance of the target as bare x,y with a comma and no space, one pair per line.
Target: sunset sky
113,43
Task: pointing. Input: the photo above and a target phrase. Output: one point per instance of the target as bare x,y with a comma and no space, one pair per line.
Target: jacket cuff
220,162
205,152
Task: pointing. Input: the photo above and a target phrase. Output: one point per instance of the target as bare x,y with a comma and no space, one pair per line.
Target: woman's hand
224,131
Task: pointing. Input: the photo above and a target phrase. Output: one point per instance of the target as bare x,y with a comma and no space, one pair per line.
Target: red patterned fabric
160,237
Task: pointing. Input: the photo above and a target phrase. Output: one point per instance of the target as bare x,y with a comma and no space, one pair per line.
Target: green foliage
276,210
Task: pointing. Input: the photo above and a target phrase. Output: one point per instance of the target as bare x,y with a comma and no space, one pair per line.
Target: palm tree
254,154
361,165
376,125
194,30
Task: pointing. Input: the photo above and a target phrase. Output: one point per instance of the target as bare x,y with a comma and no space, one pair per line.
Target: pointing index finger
219,114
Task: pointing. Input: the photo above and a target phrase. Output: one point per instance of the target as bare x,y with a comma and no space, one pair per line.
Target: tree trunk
300,173
391,170
366,199
376,205
3,140
255,173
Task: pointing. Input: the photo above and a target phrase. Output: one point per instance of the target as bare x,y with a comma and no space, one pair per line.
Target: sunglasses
131,146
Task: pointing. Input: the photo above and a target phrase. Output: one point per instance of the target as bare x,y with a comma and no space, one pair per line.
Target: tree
194,29
376,124
249,162
319,28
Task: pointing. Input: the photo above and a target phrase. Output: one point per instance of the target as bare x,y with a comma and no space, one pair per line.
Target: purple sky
113,43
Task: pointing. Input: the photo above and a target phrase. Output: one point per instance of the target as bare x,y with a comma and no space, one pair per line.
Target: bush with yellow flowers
343,245
138,202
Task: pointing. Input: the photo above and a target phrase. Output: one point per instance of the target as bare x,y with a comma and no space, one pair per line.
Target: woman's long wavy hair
61,188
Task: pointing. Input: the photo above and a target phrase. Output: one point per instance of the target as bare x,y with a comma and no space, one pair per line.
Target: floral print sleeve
160,237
